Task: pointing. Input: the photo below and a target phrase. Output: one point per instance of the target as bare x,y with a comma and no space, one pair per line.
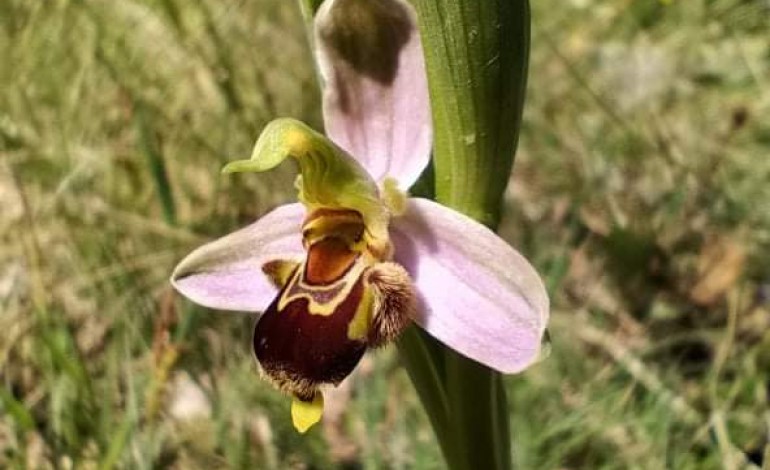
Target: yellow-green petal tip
304,414
242,166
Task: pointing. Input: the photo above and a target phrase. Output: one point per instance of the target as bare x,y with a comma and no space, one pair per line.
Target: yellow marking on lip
279,271
337,255
358,329
345,225
314,308
326,220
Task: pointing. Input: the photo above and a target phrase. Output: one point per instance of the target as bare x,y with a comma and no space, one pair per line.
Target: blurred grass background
641,192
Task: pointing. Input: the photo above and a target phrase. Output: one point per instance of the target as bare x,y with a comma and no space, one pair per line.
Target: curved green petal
331,178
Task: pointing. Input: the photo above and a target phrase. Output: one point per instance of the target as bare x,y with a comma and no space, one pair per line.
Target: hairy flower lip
327,354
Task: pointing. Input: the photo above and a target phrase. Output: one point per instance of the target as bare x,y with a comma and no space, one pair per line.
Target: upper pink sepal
227,273
375,100
477,295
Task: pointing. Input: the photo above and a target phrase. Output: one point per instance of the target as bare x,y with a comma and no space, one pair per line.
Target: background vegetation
641,192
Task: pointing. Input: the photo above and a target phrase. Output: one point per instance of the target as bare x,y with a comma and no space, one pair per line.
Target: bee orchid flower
356,260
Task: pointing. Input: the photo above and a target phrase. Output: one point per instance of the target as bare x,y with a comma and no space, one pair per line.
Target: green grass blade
16,410
149,145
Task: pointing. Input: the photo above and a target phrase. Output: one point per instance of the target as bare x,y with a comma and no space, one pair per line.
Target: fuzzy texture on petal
375,100
476,294
227,273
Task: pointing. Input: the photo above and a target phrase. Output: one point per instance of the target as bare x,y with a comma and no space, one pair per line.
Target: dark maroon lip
299,350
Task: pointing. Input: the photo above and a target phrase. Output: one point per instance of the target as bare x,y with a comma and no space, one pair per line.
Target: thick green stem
478,414
423,358
308,8
477,54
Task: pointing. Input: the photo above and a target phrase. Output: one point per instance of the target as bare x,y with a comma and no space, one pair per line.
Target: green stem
478,414
423,358
477,55
476,52
310,6
309,9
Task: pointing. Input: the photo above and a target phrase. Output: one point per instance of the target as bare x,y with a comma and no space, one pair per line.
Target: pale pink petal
375,99
477,295
227,273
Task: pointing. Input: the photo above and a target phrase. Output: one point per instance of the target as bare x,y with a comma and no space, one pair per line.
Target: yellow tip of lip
304,414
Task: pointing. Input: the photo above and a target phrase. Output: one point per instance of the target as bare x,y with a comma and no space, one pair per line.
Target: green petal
331,178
